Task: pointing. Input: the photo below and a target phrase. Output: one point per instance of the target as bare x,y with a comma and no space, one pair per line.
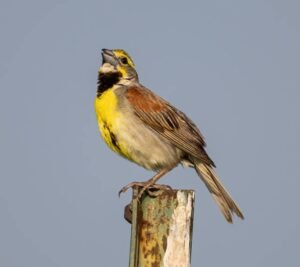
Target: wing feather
168,121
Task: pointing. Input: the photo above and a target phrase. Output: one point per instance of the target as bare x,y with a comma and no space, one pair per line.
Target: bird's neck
107,81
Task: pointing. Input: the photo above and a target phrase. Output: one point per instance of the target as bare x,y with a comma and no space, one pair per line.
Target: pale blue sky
232,66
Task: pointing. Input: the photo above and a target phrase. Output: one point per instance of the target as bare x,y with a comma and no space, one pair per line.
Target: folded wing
169,122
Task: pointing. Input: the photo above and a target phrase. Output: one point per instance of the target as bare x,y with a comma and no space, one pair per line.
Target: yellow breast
109,120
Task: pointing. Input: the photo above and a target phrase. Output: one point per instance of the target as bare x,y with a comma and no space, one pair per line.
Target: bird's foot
148,187
131,185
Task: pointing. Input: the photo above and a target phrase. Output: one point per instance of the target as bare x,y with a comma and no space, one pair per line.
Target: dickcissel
144,128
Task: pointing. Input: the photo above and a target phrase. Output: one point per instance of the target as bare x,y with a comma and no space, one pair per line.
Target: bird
144,128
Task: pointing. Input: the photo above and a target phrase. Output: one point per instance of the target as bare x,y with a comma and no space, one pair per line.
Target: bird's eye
124,60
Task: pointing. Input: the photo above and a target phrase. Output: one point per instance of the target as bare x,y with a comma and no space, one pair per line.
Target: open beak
109,57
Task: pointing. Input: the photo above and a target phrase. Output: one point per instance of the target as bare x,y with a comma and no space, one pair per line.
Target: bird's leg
150,184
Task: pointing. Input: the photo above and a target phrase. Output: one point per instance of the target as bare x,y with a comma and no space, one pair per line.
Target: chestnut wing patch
168,121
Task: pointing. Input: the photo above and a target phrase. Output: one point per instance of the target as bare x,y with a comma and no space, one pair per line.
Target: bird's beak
109,57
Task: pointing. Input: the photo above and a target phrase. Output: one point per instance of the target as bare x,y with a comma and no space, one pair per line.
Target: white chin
106,67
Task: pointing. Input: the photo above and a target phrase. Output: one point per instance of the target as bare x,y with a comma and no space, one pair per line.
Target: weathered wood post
161,231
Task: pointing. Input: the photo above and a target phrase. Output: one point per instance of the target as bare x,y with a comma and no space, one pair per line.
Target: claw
149,187
131,185
151,191
123,190
146,187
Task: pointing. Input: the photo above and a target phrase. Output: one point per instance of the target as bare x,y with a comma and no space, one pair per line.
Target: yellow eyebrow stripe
121,53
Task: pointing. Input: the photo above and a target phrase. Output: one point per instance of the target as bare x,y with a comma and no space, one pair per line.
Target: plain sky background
232,66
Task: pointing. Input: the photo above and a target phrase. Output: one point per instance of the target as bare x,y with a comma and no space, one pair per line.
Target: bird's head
117,61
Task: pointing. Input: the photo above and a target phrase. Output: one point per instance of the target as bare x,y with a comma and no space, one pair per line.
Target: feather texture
168,121
225,202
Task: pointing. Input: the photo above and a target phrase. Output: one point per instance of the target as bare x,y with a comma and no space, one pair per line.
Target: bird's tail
225,202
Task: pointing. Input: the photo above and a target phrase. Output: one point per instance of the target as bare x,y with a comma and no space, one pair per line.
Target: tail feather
225,202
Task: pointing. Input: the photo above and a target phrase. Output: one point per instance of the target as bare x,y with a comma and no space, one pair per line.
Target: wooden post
161,231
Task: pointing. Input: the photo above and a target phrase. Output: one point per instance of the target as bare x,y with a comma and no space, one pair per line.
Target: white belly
146,147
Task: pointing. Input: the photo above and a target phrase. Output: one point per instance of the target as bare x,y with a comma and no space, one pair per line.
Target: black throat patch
106,81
